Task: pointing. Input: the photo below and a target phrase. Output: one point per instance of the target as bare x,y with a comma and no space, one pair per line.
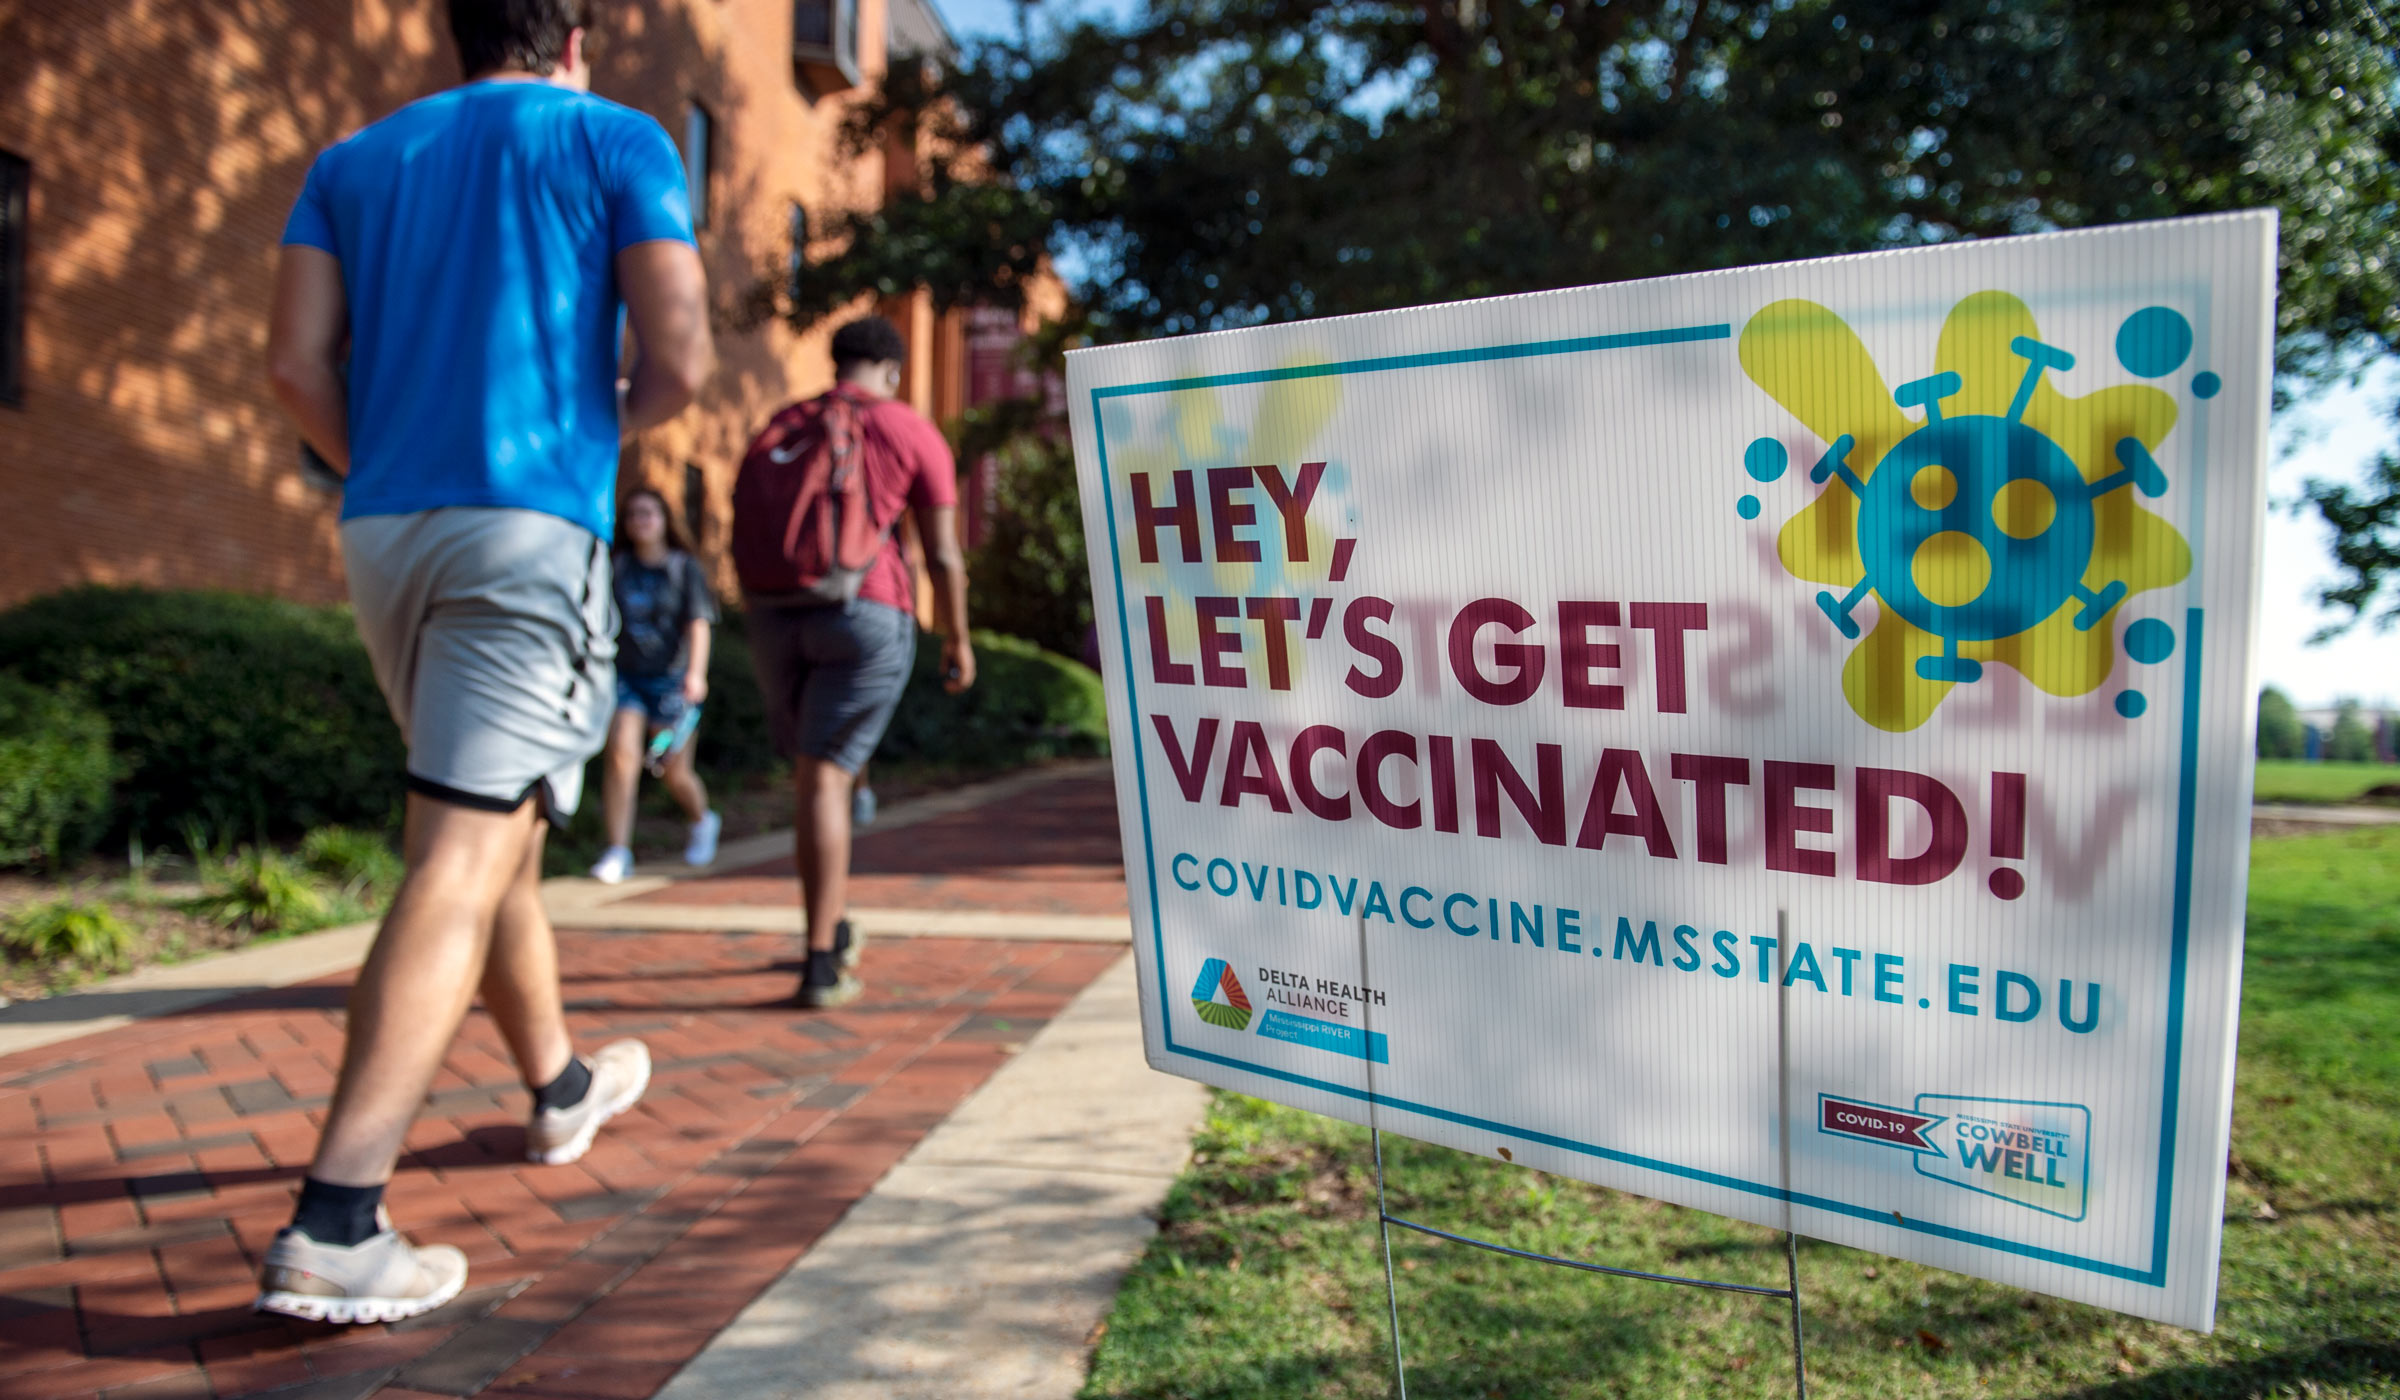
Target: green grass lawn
2291,780
1265,1279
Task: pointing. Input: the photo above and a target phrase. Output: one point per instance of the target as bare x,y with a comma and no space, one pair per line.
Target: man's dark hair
866,341
527,34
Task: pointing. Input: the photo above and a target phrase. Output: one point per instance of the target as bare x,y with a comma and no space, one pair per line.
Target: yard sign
1485,680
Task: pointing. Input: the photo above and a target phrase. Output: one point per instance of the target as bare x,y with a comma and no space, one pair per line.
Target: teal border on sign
2171,1101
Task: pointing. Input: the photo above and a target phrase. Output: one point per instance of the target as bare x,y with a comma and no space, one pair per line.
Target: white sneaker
380,1279
620,1072
614,865
701,847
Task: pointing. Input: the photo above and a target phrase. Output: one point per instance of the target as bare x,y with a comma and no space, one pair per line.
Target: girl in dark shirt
664,611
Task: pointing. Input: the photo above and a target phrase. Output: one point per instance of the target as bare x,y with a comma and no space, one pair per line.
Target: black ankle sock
331,1214
824,968
568,1089
841,937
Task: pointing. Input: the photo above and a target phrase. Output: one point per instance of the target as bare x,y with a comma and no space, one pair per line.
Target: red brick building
150,150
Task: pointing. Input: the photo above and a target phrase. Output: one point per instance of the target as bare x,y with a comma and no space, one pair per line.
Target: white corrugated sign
1490,684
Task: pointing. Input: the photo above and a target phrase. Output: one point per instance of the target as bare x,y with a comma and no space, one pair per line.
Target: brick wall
168,140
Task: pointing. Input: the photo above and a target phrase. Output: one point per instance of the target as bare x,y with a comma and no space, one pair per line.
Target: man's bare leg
822,845
822,851
520,976
339,1262
572,1097
418,980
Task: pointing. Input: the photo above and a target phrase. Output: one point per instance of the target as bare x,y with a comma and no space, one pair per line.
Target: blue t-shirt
478,231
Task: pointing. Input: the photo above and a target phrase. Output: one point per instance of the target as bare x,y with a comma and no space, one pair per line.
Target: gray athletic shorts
493,634
832,676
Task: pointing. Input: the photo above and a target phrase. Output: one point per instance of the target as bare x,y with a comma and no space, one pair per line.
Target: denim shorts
658,699
831,676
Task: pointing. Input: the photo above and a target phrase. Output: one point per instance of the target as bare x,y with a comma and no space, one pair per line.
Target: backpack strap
854,458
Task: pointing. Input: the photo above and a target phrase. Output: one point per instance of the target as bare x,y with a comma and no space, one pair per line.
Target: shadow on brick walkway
143,1170
1053,850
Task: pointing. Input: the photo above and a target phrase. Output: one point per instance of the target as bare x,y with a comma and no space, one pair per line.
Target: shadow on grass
2302,1370
1596,1347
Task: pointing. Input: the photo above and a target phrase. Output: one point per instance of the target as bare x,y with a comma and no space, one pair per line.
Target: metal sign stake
1385,1220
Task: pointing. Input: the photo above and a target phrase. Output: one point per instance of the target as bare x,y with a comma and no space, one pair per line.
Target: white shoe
614,865
701,847
620,1072
380,1279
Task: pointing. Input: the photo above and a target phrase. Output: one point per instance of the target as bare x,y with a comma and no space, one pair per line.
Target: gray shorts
832,676
493,634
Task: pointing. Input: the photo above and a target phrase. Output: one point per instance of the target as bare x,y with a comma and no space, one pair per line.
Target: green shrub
1027,704
360,862
243,714
55,767
262,890
1029,577
70,931
733,734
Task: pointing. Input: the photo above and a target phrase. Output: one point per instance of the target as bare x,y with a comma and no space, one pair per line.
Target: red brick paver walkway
1054,850
143,1170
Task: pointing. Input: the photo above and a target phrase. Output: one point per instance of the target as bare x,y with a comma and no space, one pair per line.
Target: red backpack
804,528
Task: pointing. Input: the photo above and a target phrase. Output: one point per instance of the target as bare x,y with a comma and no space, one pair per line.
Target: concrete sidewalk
981,1264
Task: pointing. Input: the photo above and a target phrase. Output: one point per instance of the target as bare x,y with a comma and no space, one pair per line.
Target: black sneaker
825,984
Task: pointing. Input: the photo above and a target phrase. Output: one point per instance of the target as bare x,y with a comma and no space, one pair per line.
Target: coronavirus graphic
1999,523
1977,527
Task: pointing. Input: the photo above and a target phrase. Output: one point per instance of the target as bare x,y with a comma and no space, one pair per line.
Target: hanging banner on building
1537,713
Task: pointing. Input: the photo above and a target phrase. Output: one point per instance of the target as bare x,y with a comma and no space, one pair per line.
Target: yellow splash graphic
1813,364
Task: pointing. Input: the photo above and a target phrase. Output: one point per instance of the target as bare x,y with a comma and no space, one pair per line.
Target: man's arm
305,332
666,300
937,528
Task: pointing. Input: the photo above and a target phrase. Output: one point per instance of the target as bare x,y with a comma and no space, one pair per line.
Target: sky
2333,438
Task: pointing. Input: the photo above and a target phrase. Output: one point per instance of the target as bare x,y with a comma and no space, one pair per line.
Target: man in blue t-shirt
453,290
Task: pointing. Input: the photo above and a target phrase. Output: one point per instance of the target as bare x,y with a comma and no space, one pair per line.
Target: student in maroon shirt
833,674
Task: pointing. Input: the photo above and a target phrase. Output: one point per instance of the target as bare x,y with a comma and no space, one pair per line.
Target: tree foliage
1029,576
1225,162
2366,540
2351,741
2280,733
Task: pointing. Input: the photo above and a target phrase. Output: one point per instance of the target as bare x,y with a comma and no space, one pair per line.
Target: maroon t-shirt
908,467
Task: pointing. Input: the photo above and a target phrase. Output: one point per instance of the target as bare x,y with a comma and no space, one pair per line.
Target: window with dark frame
16,180
698,130
825,46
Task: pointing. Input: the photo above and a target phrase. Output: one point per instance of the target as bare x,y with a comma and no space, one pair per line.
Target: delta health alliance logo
1218,996
2003,525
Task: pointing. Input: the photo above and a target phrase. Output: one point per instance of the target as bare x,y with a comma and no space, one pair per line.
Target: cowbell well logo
1218,997
2028,1152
